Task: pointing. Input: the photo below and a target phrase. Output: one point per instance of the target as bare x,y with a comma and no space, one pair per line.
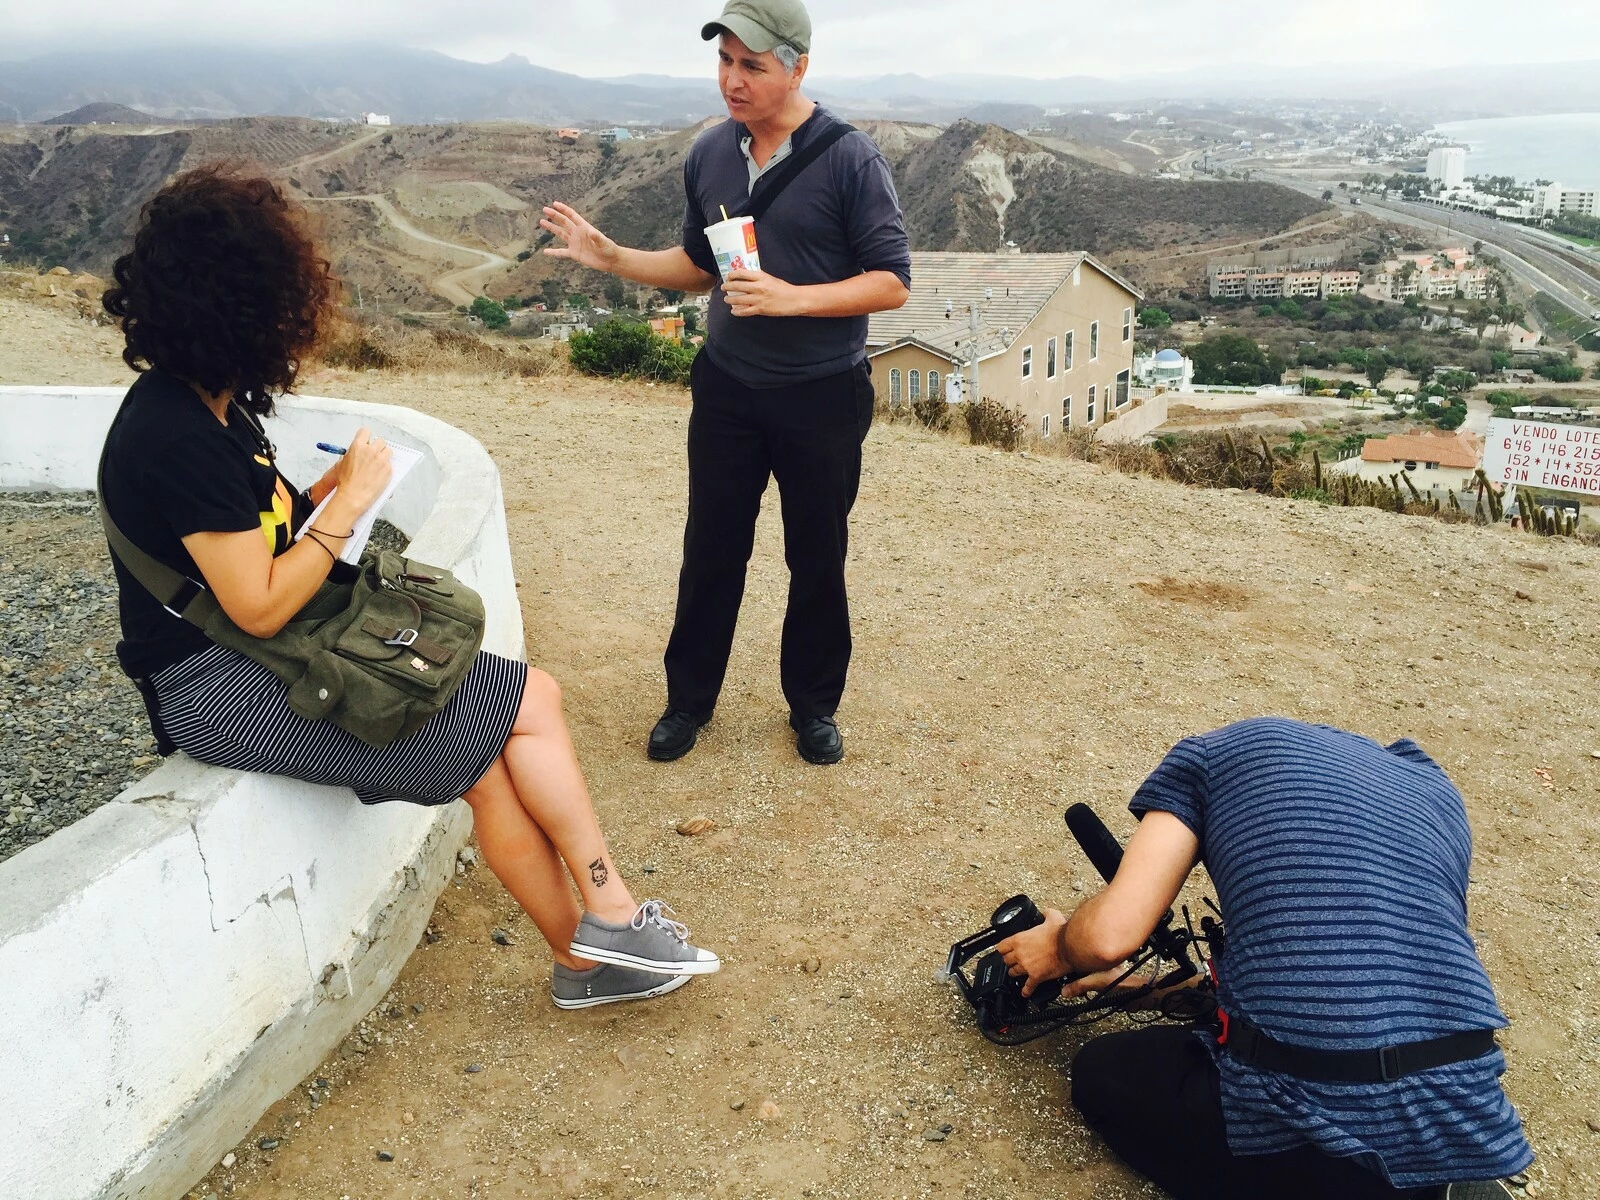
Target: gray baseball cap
763,24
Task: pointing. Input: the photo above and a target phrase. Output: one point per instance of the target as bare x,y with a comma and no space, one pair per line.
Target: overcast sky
857,37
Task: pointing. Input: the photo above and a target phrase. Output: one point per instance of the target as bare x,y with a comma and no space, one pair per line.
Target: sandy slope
1029,632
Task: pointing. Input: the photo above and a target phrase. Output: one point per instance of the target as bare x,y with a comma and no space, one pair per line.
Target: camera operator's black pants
808,437
1155,1097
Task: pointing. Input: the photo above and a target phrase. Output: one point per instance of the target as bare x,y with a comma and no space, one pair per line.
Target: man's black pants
808,437
1155,1097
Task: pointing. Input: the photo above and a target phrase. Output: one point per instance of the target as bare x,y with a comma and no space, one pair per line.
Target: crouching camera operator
1355,1055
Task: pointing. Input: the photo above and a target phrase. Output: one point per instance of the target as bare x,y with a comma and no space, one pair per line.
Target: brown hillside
69,195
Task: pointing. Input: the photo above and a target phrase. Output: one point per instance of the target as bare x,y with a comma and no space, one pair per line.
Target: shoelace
655,912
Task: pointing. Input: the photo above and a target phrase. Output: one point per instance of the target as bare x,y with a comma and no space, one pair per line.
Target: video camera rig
1006,1018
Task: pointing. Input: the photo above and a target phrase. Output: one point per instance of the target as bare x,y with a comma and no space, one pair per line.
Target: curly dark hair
225,286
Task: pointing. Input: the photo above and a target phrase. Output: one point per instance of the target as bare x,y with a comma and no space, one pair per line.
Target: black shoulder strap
787,173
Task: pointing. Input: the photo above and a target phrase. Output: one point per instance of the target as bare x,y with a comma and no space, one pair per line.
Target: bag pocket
318,692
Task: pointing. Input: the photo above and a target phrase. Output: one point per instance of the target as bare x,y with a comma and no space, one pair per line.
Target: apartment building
1054,336
1340,283
1553,200
1272,285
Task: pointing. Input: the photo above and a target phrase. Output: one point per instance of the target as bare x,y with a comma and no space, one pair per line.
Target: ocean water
1564,147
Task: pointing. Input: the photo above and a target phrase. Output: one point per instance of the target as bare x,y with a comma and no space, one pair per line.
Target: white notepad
401,460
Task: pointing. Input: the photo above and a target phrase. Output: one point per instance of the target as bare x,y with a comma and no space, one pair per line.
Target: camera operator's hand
1099,981
1036,952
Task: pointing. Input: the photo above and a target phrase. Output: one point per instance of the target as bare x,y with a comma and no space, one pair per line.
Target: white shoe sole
671,985
618,959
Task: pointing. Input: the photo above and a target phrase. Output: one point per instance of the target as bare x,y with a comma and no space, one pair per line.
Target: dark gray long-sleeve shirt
837,219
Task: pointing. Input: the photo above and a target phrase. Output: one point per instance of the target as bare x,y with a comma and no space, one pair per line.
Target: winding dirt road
459,286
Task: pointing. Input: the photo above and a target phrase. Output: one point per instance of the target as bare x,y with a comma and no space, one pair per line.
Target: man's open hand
581,241
757,294
1036,952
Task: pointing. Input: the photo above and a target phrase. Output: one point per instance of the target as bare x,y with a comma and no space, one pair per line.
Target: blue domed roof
1168,356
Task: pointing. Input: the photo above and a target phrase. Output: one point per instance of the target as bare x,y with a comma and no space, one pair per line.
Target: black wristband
330,533
312,534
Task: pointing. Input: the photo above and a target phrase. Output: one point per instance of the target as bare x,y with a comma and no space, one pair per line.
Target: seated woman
222,295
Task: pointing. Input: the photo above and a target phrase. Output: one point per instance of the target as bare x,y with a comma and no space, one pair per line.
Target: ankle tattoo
598,872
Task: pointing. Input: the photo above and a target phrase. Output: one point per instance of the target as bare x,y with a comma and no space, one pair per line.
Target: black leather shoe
674,735
817,739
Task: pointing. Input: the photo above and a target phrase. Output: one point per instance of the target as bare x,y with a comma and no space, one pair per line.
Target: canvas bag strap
790,170
173,590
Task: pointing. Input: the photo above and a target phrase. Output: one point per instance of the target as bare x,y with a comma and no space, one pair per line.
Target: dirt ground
1029,632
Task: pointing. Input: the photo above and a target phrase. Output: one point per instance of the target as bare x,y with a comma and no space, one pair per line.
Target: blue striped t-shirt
1341,869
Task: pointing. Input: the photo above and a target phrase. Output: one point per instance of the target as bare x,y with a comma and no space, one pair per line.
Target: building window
1050,359
1122,388
1127,323
1094,340
933,385
1088,413
1044,425
1027,362
916,387
1066,350
1066,414
894,387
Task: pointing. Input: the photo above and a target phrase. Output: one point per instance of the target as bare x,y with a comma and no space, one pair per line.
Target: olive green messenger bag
377,656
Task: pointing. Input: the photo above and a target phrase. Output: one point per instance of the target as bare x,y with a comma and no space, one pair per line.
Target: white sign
1537,454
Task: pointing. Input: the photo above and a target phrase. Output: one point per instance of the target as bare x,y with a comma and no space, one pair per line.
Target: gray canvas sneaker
606,984
651,941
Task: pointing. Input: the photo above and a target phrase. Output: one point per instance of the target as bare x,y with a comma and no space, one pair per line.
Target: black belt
1382,1064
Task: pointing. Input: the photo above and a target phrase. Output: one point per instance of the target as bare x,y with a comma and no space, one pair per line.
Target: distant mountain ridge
422,86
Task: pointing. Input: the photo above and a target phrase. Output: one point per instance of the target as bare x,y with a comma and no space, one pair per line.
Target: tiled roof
1463,450
1020,285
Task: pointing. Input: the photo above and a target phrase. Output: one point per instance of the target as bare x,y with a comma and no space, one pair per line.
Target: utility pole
973,311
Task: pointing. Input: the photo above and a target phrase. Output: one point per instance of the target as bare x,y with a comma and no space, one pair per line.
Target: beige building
1054,336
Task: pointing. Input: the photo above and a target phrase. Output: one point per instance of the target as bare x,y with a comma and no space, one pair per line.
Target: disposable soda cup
734,243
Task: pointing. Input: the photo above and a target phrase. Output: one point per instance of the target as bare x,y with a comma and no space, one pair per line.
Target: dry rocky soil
1031,631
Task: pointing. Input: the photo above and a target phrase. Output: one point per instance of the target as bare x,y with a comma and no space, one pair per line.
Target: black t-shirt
172,469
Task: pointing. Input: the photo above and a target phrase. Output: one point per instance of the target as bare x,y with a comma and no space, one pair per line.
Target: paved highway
1532,263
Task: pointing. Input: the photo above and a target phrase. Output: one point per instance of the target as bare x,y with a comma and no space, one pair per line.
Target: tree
619,347
1233,359
1377,367
615,293
1154,318
553,293
691,318
491,312
1327,193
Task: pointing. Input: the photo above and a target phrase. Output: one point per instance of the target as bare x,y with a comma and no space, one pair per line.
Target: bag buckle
1389,1063
402,638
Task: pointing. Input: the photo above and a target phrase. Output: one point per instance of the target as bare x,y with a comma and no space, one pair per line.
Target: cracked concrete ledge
180,958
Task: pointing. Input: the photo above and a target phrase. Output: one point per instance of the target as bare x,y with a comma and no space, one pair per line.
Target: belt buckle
1389,1063
404,638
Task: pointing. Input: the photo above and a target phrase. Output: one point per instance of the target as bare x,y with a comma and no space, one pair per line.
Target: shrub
932,412
1557,369
625,348
990,423
491,312
1154,318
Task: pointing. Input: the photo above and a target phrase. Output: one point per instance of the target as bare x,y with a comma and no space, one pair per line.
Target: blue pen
329,448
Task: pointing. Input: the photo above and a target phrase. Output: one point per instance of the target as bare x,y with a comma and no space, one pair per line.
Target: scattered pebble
1593,1124
769,1111
931,1134
811,966
697,826
408,1119
385,1156
228,1160
474,1068
500,937
737,1105
1522,595
268,1144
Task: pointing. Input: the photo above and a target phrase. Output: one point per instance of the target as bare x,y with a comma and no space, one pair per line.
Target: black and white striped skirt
224,709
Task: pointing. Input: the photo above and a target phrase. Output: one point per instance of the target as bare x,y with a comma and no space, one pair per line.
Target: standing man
781,388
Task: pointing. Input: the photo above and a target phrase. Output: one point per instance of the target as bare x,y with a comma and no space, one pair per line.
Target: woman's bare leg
524,861
549,784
